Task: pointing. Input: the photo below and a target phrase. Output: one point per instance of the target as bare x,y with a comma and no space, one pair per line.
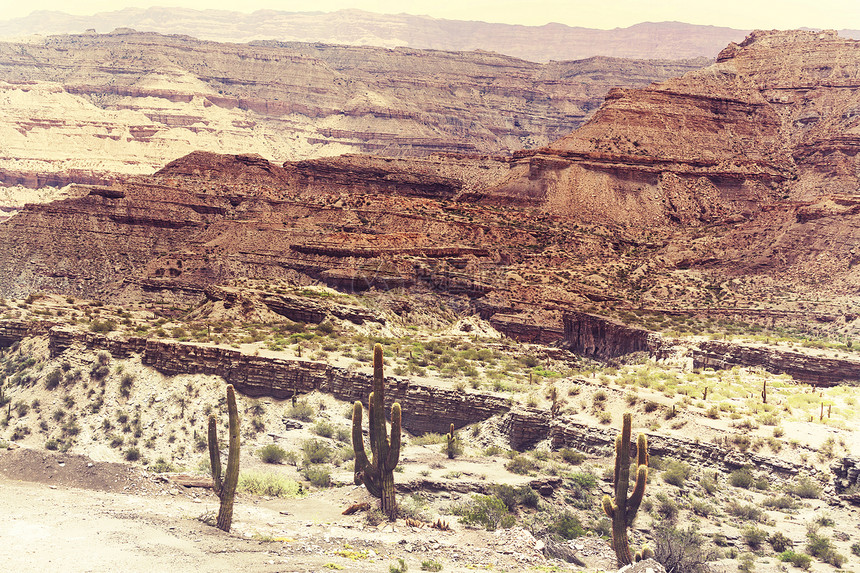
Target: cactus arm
394,446
608,506
642,450
361,462
637,495
379,441
372,429
231,480
214,455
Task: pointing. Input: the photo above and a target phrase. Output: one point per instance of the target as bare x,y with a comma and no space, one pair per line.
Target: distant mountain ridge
662,40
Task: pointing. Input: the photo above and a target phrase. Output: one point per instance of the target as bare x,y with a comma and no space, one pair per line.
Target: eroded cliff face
82,108
665,194
774,118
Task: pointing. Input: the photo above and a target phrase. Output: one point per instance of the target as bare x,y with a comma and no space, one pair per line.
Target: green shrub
701,507
316,452
779,542
162,466
805,487
753,536
801,560
318,475
742,478
855,549
515,496
779,502
52,380
667,509
566,525
747,512
520,464
430,565
399,567
676,473
301,411
52,444
270,484
682,550
487,511
272,454
132,454
102,326
323,428
821,547
709,484
571,456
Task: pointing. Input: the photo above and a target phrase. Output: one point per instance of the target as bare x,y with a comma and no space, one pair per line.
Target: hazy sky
745,14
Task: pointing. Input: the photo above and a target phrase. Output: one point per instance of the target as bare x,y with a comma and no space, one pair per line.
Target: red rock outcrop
772,118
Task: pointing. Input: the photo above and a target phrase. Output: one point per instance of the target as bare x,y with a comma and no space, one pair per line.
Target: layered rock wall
817,370
425,408
604,338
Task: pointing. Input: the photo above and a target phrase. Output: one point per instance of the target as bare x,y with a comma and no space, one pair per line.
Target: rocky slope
663,40
86,107
664,197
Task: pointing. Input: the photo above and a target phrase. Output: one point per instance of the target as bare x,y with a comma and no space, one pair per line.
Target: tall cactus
377,474
225,490
622,510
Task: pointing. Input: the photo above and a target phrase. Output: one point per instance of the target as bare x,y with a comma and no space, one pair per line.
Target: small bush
701,507
102,326
52,444
709,484
318,475
272,454
742,478
747,512
520,464
571,456
487,511
430,565
132,454
801,560
323,428
566,525
301,411
515,496
676,473
667,509
779,542
779,502
753,536
805,488
316,452
266,483
682,550
821,547
53,379
163,466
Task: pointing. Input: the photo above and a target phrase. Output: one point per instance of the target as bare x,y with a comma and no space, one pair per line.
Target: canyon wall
84,108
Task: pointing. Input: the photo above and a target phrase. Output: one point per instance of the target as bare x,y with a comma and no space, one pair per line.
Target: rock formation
84,108
664,40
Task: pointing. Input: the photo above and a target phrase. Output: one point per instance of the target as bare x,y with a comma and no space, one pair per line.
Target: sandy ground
73,514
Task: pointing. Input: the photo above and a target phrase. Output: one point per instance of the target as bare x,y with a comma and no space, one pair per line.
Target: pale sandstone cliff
83,108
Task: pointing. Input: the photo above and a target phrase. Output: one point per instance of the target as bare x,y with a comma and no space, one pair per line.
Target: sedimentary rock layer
83,108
